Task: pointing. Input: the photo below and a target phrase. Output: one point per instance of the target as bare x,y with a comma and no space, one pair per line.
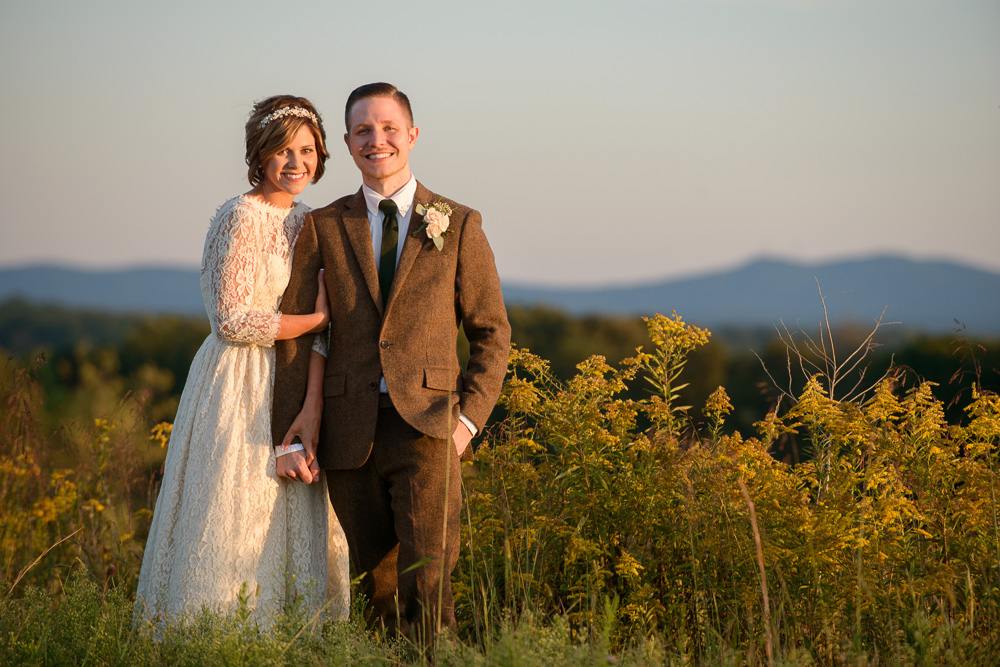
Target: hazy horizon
624,283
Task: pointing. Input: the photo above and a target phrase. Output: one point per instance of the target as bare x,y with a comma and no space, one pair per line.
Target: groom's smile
380,139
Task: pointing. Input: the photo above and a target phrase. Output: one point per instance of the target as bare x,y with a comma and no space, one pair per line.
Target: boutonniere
436,221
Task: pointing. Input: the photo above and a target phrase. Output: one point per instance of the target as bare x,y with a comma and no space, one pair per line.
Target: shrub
74,497
583,501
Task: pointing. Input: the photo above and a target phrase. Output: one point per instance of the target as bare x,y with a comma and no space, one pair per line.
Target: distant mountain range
921,295
133,290
927,296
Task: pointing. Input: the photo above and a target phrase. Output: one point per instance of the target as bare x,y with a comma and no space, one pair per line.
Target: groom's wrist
468,423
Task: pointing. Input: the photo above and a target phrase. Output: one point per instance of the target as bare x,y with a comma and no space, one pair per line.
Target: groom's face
380,139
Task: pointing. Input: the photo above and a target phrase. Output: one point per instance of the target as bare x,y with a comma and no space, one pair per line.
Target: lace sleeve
321,341
231,258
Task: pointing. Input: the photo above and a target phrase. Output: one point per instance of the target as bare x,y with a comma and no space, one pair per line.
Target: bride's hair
272,125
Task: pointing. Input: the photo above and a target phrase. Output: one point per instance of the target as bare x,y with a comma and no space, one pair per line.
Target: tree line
150,354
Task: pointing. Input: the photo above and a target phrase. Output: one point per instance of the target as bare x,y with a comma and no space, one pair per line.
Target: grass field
597,529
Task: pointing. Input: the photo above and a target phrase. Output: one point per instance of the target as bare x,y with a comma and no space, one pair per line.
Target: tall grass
597,528
85,480
882,544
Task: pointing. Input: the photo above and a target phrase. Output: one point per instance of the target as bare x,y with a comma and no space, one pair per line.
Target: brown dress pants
400,508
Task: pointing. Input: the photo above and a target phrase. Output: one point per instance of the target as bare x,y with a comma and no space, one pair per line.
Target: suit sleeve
484,318
292,356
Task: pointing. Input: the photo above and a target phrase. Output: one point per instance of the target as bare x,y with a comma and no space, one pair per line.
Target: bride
227,529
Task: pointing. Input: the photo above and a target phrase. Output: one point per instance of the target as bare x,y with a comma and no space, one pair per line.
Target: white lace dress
224,522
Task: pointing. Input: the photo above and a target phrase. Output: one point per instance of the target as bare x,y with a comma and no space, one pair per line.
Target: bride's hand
295,467
306,427
322,306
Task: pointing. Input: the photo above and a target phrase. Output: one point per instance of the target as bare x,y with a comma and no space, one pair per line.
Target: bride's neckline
267,205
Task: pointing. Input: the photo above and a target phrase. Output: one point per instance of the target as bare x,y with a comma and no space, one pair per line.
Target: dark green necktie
390,238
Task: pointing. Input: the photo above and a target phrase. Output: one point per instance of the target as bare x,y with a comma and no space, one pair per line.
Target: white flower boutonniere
436,221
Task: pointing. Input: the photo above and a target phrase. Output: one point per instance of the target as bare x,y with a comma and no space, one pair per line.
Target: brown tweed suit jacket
412,343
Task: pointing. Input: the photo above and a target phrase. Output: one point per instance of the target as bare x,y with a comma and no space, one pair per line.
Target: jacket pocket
334,385
445,379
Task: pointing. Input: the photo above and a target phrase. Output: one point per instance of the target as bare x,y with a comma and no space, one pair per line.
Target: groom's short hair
380,89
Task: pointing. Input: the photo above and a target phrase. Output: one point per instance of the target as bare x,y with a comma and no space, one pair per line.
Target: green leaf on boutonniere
419,209
438,242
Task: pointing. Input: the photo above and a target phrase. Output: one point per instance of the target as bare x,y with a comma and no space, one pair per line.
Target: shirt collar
403,197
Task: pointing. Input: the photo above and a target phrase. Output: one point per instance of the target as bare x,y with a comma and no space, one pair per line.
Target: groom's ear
413,132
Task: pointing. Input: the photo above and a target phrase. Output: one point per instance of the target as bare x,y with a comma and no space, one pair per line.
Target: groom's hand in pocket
462,437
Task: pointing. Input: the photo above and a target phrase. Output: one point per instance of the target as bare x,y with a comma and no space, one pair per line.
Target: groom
404,267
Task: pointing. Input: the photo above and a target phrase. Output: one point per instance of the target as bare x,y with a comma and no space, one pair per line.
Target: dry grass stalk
763,572
32,564
820,358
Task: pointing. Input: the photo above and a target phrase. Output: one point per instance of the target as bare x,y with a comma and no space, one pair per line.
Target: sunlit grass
597,529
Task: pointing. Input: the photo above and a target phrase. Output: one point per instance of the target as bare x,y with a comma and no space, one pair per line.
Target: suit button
384,344
373,385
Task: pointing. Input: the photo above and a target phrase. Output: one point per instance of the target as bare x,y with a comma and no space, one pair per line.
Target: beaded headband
290,111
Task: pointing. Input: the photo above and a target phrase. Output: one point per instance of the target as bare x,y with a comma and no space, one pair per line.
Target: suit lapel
412,244
360,235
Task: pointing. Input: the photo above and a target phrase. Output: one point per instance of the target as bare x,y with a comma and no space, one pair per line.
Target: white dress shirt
403,199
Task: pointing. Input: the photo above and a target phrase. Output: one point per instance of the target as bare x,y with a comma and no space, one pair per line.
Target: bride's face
287,173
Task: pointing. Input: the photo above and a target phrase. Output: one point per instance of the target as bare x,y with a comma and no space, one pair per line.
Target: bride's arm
293,326
306,424
302,465
232,253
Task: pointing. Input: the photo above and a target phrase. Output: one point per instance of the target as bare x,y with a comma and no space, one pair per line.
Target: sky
605,143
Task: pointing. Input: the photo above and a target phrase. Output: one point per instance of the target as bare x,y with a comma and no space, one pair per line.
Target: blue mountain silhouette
923,295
